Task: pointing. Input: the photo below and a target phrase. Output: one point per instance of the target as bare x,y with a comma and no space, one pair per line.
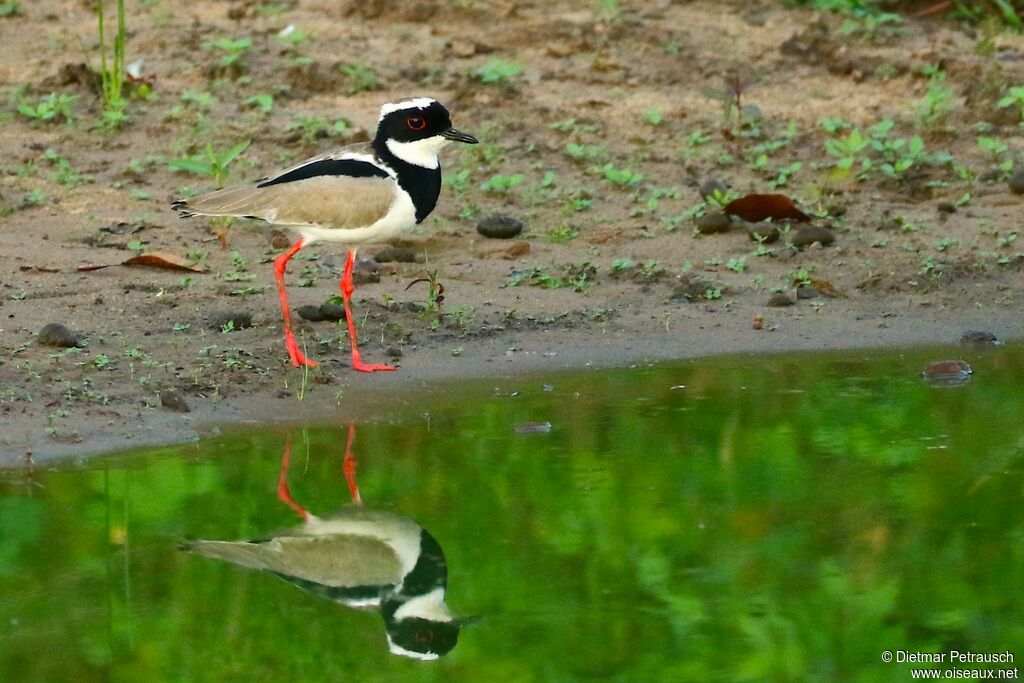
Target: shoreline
432,371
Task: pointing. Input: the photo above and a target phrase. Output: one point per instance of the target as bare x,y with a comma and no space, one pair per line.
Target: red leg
347,288
284,494
349,466
280,263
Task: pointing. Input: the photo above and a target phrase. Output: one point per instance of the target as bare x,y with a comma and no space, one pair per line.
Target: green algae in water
787,518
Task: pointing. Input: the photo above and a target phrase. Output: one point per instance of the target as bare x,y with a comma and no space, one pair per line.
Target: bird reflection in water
365,559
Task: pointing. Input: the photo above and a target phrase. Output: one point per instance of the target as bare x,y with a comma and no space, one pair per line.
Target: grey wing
343,188
336,561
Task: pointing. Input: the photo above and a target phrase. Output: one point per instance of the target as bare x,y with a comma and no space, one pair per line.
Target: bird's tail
247,201
243,553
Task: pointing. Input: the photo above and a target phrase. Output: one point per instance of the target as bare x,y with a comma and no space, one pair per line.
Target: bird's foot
295,353
359,366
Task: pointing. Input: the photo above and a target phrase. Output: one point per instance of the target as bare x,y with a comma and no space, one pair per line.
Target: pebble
499,227
241,320
55,334
332,312
174,400
310,313
1016,182
979,337
328,311
807,236
947,372
807,292
711,223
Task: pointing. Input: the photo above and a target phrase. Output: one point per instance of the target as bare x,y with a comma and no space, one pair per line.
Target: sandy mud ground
600,124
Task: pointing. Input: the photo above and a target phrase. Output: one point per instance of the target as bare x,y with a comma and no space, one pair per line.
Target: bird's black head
419,118
423,638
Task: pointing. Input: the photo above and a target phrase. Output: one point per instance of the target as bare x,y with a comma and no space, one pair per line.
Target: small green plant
834,124
623,177
737,265
264,102
578,152
1014,98
211,163
938,100
313,126
653,116
498,71
846,151
360,78
63,173
10,8
578,277
501,184
52,108
233,51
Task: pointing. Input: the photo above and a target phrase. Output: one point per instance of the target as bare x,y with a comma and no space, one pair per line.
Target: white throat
420,152
430,607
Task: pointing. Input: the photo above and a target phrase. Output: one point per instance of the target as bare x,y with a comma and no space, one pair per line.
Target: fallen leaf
755,208
159,259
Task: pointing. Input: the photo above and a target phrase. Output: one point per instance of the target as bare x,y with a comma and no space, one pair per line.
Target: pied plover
353,195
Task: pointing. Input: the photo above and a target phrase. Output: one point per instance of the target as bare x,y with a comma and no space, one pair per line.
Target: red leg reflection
284,494
349,466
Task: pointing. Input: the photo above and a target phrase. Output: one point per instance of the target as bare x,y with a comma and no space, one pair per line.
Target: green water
785,518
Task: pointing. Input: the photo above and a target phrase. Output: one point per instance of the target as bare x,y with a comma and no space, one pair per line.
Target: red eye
416,122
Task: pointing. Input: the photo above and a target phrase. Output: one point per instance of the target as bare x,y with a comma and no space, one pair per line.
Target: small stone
174,400
807,292
979,337
463,49
764,233
712,186
499,227
947,373
396,254
711,223
807,236
780,299
310,313
1016,182
332,312
55,334
237,320
946,207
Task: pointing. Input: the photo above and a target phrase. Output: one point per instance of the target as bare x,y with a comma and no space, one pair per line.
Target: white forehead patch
414,103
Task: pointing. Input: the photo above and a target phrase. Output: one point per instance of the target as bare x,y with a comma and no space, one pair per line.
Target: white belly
401,216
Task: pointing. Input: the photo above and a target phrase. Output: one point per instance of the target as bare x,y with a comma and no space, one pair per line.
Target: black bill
459,136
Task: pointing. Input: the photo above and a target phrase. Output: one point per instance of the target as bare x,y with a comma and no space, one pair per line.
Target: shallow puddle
780,518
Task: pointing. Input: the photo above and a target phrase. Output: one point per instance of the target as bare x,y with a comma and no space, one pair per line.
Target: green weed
498,71
211,163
